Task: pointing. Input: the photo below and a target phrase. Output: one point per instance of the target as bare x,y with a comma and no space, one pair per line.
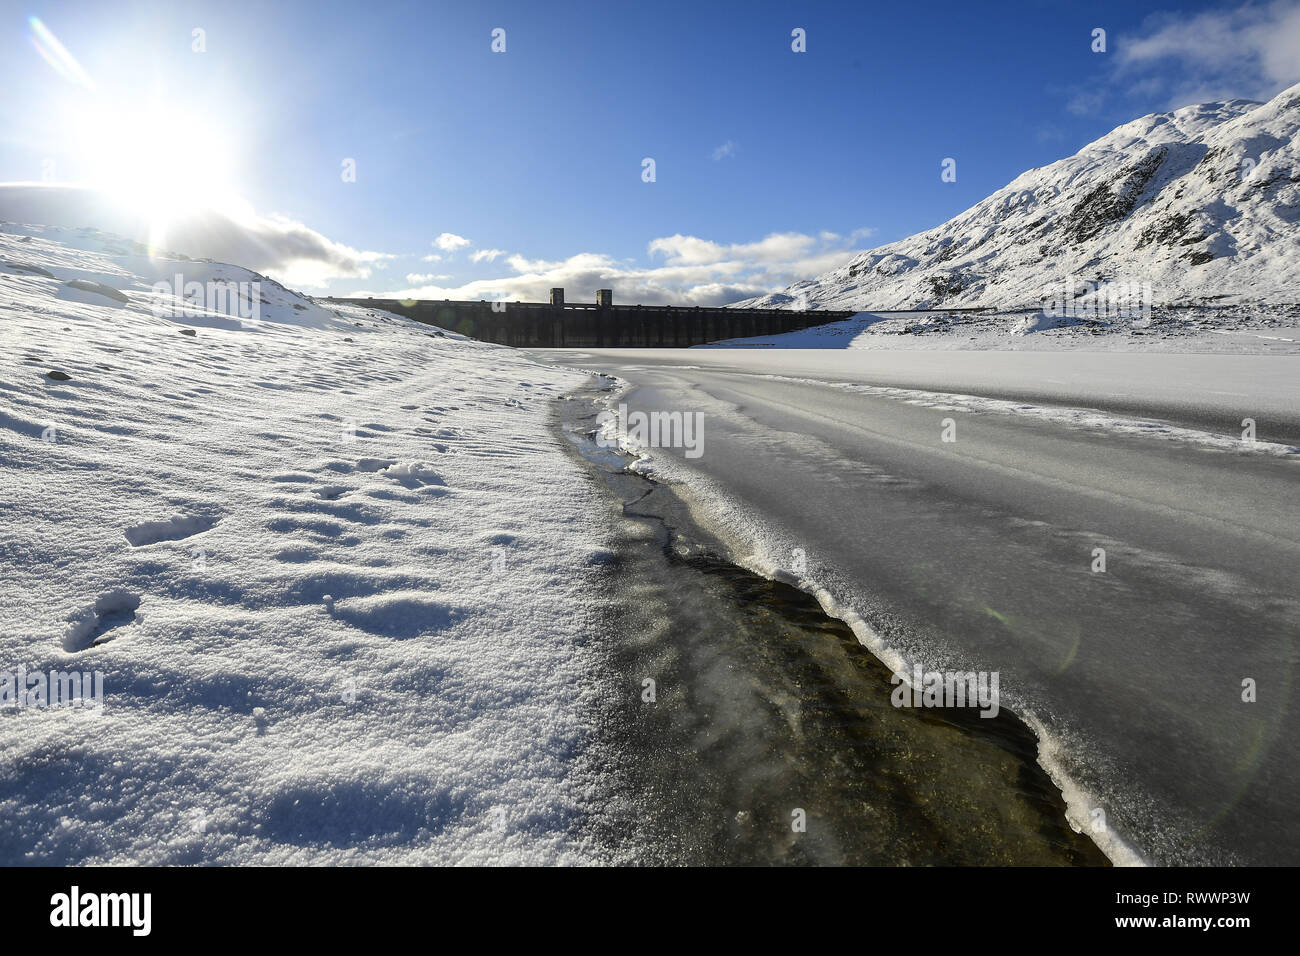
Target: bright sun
155,159
161,162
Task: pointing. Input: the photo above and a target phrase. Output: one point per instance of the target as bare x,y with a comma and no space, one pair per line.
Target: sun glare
160,161
152,157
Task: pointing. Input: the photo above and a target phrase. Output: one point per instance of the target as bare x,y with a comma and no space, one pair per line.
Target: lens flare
56,55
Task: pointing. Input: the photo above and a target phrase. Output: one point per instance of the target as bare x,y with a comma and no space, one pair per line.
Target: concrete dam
602,324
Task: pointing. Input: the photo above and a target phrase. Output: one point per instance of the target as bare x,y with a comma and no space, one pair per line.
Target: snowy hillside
1201,203
326,562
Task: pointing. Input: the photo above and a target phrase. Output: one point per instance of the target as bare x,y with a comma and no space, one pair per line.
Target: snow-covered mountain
1202,203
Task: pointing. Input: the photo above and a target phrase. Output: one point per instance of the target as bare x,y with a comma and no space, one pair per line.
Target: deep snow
335,571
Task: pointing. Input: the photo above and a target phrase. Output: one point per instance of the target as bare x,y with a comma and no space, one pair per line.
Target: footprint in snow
169,529
413,475
92,625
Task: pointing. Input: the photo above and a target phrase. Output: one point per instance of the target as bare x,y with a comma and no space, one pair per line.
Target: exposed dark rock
1112,202
945,284
1211,159
952,250
1167,231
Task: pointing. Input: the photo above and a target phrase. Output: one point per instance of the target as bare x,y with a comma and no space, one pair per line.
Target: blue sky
769,164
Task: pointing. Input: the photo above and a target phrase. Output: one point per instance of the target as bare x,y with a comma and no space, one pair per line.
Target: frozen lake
829,469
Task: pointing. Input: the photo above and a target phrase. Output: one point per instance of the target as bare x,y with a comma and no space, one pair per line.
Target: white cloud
695,271
777,247
722,152
521,264
274,245
1252,51
431,257
1086,102
450,242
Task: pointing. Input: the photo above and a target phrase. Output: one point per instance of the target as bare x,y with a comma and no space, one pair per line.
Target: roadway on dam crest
831,470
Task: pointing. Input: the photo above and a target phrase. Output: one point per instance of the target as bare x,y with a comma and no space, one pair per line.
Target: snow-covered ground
1228,329
334,569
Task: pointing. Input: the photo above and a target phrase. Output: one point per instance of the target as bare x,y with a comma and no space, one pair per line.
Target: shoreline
660,504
